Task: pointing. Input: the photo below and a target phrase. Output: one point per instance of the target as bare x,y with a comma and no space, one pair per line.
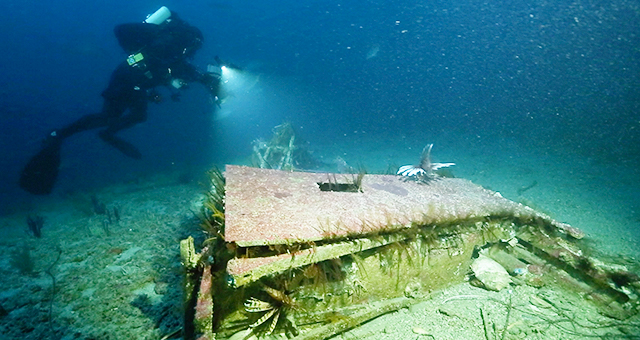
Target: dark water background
559,76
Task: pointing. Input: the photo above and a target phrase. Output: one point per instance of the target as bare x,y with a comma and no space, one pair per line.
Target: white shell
490,273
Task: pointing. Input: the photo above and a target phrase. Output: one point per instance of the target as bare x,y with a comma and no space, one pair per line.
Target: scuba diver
159,50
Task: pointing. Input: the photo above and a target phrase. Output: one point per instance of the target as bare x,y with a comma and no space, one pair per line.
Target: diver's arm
189,73
186,72
210,80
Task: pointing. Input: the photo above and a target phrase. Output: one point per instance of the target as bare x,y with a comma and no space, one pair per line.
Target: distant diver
159,50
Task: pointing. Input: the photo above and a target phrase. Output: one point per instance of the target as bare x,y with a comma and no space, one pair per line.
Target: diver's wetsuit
166,49
159,54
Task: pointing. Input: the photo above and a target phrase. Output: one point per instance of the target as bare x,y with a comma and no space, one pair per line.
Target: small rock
422,331
413,290
492,275
535,269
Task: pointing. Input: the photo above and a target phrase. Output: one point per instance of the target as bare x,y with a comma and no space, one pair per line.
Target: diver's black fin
39,175
121,144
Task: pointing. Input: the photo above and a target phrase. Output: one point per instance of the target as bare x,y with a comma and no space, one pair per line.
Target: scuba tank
159,16
157,43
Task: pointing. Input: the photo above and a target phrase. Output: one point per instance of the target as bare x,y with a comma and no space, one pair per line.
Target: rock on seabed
490,273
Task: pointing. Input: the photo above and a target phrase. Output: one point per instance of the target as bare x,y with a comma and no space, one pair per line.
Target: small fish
373,51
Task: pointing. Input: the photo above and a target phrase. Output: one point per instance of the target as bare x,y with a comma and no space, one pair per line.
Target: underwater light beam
231,78
240,91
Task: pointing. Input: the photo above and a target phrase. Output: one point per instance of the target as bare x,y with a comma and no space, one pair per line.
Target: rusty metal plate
266,207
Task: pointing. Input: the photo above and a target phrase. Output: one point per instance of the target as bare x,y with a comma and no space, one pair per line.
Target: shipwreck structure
310,255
